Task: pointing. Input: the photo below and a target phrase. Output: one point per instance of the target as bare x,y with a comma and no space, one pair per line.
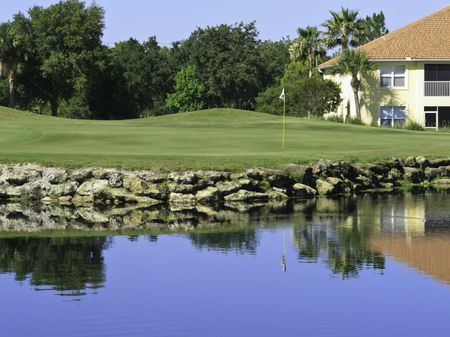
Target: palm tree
13,42
341,28
356,64
371,28
3,44
308,45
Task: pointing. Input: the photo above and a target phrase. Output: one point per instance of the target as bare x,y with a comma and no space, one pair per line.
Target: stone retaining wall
184,190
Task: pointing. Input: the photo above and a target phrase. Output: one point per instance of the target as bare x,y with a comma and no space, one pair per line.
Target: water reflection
346,235
69,266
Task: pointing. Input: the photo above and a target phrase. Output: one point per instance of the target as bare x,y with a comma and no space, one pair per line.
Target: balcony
437,88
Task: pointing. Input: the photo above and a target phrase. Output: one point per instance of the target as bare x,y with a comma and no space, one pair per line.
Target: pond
374,265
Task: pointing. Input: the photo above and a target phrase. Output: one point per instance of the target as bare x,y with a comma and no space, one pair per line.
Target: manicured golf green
216,139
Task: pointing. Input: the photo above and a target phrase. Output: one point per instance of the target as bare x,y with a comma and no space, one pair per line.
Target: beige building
412,77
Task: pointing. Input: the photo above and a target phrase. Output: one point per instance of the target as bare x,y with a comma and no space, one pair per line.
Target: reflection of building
428,254
394,214
421,239
406,213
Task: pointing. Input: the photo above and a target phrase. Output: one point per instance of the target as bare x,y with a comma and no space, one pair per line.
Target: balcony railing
437,88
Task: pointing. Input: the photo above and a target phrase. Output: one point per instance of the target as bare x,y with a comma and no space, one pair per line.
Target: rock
364,183
247,196
439,162
414,175
228,187
151,177
377,169
188,178
278,180
387,186
330,186
422,162
141,187
325,168
62,190
116,180
46,200
210,178
21,176
432,173
394,175
56,176
277,194
121,195
92,187
82,175
257,174
303,191
179,201
208,195
442,183
182,188
67,200
92,215
410,162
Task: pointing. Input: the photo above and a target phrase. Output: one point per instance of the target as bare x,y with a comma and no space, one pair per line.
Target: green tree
189,93
147,73
275,56
356,64
229,63
66,40
342,28
305,96
309,45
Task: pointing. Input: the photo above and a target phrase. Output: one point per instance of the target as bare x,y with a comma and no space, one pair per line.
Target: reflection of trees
67,265
350,251
335,233
241,239
346,249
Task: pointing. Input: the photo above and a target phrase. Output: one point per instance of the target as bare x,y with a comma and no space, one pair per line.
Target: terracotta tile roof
427,38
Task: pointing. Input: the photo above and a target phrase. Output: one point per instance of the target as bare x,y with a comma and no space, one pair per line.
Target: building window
393,76
391,116
431,117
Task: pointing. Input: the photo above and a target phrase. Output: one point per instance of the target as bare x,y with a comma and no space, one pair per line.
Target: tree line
53,61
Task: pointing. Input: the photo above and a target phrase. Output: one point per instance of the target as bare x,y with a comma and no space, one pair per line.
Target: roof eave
406,59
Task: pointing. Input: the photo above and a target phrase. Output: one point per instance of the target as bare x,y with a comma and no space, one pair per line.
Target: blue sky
172,20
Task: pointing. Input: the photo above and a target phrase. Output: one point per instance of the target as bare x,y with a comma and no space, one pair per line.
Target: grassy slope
219,138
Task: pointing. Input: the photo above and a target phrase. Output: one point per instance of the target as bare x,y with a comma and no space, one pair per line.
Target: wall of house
373,96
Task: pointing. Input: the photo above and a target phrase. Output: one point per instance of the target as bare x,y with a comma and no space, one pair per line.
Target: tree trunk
54,107
12,91
357,107
310,61
1,69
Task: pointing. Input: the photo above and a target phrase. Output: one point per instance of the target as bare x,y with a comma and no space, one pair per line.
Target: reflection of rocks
16,217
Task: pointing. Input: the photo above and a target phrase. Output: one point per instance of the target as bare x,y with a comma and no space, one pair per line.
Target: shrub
354,121
313,97
413,126
335,118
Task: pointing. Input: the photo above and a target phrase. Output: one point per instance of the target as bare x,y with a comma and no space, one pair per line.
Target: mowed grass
210,139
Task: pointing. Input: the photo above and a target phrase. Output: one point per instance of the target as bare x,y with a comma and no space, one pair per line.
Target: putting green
217,139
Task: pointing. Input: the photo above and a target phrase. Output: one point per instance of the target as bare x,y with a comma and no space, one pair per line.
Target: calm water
368,266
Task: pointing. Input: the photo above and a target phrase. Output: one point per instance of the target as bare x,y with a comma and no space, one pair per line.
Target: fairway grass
209,139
